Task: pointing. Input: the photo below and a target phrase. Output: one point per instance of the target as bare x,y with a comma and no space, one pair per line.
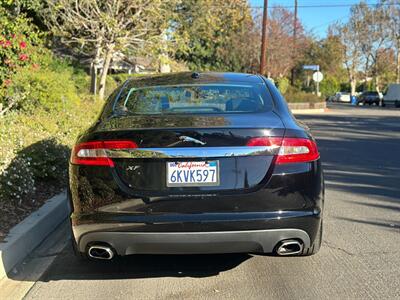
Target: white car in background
392,95
342,97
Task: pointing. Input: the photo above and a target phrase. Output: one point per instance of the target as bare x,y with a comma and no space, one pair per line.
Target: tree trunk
103,77
93,69
353,85
377,84
93,78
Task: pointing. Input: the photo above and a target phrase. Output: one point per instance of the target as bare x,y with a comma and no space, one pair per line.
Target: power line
329,22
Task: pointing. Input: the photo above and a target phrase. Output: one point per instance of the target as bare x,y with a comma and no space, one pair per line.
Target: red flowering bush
15,53
20,49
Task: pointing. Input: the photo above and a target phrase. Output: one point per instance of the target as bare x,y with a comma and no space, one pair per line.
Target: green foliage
17,183
35,146
283,84
294,95
111,85
210,29
18,38
42,87
48,160
329,86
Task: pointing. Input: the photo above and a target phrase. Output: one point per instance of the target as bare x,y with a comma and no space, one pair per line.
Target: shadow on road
67,267
360,155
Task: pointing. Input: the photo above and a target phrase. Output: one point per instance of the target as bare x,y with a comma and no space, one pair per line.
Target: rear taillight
264,141
95,153
291,150
296,150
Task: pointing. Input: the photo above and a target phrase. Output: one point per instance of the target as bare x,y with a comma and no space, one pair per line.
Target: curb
309,111
27,235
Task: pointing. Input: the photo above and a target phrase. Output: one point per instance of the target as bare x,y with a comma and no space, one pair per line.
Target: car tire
397,104
316,245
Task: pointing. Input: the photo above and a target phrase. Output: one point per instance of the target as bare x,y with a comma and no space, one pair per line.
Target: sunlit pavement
359,258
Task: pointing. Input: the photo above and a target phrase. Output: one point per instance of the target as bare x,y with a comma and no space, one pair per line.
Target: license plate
193,173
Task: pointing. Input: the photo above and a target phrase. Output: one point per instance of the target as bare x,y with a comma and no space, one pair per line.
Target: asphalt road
360,254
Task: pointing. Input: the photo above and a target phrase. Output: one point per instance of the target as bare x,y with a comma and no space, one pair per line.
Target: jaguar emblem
189,139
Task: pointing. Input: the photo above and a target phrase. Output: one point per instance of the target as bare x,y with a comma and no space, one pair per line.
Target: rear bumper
126,243
289,206
215,233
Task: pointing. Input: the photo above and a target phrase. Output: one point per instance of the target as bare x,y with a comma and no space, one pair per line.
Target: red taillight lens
95,153
291,150
264,141
296,150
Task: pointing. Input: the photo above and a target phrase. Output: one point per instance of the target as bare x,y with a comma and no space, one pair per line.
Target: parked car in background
342,97
369,97
392,95
330,98
196,163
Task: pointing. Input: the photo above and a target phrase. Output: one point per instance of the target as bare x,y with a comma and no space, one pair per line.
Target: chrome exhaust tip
289,247
100,252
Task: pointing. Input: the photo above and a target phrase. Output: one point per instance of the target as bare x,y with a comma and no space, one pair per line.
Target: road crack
338,248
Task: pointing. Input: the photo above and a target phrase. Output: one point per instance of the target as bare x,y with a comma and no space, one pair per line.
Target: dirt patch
11,215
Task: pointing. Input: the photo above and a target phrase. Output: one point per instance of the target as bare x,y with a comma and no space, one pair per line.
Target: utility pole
294,39
263,57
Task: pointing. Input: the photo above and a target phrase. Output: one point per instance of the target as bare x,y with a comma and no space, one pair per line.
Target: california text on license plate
193,173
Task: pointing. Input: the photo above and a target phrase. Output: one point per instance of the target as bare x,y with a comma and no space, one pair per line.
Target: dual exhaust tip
289,247
100,252
284,248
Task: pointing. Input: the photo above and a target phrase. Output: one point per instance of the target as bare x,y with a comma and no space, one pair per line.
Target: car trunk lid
191,139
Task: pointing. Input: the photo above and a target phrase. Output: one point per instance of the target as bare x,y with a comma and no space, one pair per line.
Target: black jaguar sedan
192,163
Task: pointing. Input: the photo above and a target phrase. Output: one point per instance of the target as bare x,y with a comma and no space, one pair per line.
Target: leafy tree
212,30
327,54
282,53
392,10
370,28
351,50
385,65
107,26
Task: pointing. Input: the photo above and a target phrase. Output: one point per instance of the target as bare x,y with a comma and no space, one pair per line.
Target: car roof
194,78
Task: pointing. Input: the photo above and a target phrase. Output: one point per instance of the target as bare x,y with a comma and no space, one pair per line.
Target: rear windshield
194,98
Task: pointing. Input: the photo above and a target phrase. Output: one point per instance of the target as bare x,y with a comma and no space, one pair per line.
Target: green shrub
81,81
329,86
111,85
42,87
283,84
48,160
35,147
17,183
294,95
